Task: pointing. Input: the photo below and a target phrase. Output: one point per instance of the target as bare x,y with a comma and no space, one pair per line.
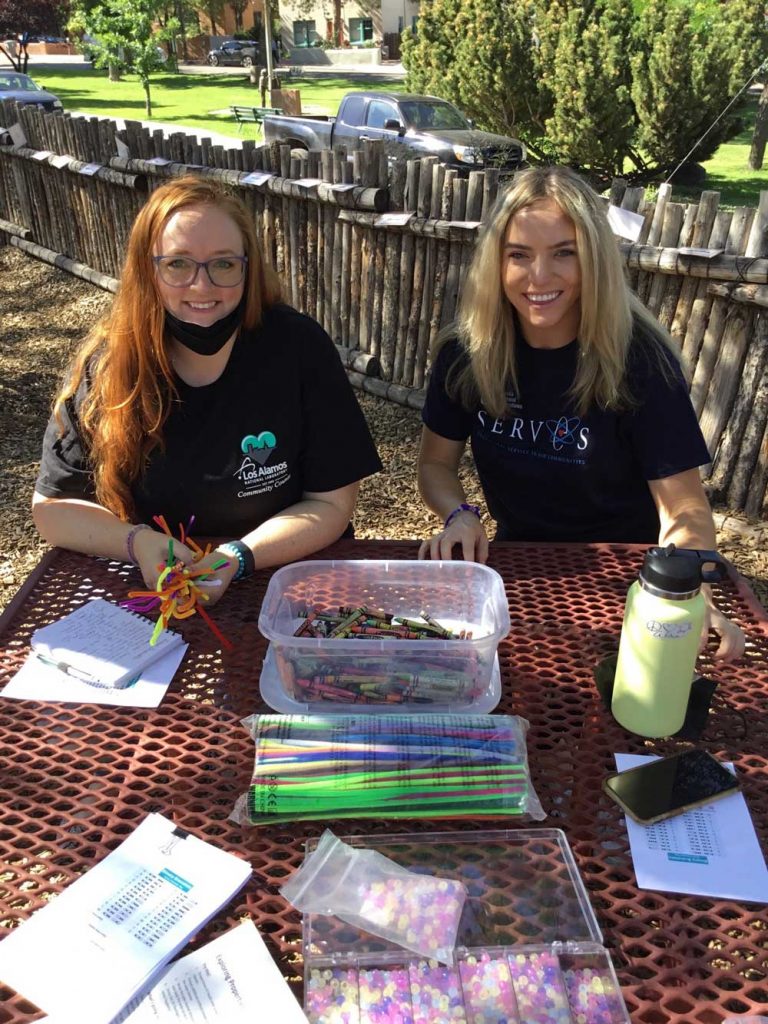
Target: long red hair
130,377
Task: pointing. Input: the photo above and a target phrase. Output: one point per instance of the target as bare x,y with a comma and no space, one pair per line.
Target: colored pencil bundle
389,766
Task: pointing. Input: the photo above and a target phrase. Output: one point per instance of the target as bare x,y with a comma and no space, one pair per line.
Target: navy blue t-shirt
549,474
282,419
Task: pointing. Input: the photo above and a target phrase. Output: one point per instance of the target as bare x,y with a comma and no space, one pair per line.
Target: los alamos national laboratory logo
255,476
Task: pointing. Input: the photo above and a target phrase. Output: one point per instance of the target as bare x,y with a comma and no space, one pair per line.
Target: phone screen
669,785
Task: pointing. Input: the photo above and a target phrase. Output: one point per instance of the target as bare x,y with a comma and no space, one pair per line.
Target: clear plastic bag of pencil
388,766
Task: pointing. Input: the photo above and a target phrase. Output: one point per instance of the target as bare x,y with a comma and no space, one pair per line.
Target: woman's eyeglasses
181,271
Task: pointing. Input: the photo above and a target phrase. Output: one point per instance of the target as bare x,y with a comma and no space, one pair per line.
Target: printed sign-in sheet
711,850
84,955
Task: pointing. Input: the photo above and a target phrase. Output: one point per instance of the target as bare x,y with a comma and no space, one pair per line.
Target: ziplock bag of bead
387,766
529,948
420,912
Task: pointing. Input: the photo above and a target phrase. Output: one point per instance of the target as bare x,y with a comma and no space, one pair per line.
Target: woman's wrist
130,541
239,552
463,507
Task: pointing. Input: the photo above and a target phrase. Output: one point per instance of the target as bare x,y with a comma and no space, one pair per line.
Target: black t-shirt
549,474
282,419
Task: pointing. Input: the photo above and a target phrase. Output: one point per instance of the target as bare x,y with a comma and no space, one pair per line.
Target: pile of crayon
518,988
380,681
361,623
446,677
388,766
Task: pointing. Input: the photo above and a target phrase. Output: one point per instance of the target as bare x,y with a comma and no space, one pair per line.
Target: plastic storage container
529,947
304,674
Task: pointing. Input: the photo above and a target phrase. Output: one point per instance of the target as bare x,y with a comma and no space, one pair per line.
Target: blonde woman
570,391
202,395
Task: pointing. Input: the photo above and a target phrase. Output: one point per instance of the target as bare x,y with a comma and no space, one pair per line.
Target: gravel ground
46,312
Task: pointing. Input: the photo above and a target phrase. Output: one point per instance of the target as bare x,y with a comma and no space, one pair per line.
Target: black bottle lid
680,570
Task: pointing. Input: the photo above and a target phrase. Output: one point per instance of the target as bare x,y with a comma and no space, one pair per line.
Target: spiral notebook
102,644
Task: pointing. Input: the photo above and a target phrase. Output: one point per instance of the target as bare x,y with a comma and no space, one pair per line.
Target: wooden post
702,229
738,451
410,202
423,205
392,256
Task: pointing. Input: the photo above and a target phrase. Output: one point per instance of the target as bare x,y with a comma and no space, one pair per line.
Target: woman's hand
151,550
215,584
732,639
465,530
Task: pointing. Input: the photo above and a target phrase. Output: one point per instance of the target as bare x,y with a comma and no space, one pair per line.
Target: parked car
15,86
233,51
420,125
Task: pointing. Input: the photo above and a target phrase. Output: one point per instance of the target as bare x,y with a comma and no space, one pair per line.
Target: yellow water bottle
660,636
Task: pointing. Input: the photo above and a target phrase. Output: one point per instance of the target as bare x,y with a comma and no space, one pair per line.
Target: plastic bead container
304,674
529,948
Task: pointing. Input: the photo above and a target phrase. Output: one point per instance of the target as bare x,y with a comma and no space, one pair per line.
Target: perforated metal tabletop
75,779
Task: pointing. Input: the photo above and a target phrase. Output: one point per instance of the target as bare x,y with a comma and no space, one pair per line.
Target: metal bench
252,115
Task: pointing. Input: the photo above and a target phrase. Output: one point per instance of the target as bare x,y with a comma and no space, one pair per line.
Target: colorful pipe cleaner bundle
388,766
178,594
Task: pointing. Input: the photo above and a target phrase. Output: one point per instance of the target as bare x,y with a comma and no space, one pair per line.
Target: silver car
15,86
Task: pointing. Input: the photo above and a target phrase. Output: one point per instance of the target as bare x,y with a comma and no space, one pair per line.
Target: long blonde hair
130,377
610,312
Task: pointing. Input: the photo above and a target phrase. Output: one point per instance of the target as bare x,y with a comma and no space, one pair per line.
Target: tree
127,38
679,85
589,85
213,10
479,54
20,19
238,8
608,86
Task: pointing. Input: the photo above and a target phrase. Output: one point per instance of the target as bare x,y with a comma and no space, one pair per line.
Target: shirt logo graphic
259,448
561,431
254,475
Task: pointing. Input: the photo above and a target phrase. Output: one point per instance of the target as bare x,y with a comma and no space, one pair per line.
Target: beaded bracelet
129,541
463,507
237,549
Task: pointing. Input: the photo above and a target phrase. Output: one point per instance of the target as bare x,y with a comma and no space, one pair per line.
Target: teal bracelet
243,555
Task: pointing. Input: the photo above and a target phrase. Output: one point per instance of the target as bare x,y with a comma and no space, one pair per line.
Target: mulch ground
45,313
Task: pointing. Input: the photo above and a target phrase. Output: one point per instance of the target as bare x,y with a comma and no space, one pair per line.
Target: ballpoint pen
83,677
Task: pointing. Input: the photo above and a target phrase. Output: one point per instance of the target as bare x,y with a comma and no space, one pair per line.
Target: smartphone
670,785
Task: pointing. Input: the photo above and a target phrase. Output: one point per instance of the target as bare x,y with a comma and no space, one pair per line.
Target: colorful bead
331,996
488,994
420,912
436,994
539,988
593,996
385,997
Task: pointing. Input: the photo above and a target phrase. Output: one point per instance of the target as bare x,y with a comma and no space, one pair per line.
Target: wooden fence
377,254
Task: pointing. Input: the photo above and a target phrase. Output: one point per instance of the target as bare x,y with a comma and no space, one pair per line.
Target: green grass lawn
201,101
727,171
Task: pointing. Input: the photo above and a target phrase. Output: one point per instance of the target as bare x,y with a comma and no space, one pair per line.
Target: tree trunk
114,73
338,30
760,134
147,98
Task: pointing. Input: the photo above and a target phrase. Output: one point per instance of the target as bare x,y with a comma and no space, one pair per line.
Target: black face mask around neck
205,341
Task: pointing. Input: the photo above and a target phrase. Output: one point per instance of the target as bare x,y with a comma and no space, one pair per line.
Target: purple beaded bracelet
131,538
463,507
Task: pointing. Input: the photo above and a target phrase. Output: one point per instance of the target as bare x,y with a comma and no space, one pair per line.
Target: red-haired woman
202,394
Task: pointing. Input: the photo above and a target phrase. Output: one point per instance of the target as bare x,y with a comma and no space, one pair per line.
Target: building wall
397,15
225,23
318,24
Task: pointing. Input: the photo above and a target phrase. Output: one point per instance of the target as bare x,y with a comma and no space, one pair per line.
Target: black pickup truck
409,124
